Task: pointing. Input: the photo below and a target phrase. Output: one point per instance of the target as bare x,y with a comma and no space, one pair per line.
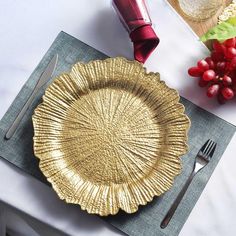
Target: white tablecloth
27,29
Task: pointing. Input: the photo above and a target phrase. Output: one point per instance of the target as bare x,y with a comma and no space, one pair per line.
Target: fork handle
175,204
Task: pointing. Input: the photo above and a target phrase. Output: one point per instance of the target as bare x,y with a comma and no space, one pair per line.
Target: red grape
232,64
230,42
217,56
230,53
232,74
203,65
227,93
226,80
218,47
234,87
213,90
220,66
194,71
210,62
218,71
216,79
228,67
209,75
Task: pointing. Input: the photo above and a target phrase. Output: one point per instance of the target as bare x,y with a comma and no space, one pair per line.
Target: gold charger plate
109,135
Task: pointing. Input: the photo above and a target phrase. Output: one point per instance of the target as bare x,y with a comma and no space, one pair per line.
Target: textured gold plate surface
109,135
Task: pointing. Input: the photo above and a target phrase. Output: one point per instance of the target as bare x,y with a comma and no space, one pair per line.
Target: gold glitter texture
110,136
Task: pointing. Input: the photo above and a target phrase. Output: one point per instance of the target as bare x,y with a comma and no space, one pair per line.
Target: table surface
28,28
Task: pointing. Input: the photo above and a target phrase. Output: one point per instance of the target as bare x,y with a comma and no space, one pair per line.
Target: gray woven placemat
146,222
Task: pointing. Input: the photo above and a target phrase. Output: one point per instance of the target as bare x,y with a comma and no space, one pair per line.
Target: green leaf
221,32
232,20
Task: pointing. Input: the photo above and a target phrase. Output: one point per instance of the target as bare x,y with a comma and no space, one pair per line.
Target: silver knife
44,78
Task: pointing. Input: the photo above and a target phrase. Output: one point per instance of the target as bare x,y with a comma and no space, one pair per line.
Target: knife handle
21,114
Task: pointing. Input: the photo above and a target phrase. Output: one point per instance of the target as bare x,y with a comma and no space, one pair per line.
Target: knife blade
43,79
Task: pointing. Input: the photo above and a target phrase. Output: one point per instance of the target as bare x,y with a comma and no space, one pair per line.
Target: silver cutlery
44,78
202,159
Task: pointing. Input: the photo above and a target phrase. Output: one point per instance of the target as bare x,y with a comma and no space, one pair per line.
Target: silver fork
203,157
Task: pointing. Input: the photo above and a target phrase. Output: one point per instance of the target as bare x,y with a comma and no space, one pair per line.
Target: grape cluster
218,71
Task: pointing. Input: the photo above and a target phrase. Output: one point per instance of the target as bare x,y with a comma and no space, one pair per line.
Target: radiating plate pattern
109,135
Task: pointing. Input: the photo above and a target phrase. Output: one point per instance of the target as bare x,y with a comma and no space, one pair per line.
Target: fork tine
212,150
204,146
209,148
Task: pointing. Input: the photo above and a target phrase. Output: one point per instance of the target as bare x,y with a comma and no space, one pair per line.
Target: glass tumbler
199,10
